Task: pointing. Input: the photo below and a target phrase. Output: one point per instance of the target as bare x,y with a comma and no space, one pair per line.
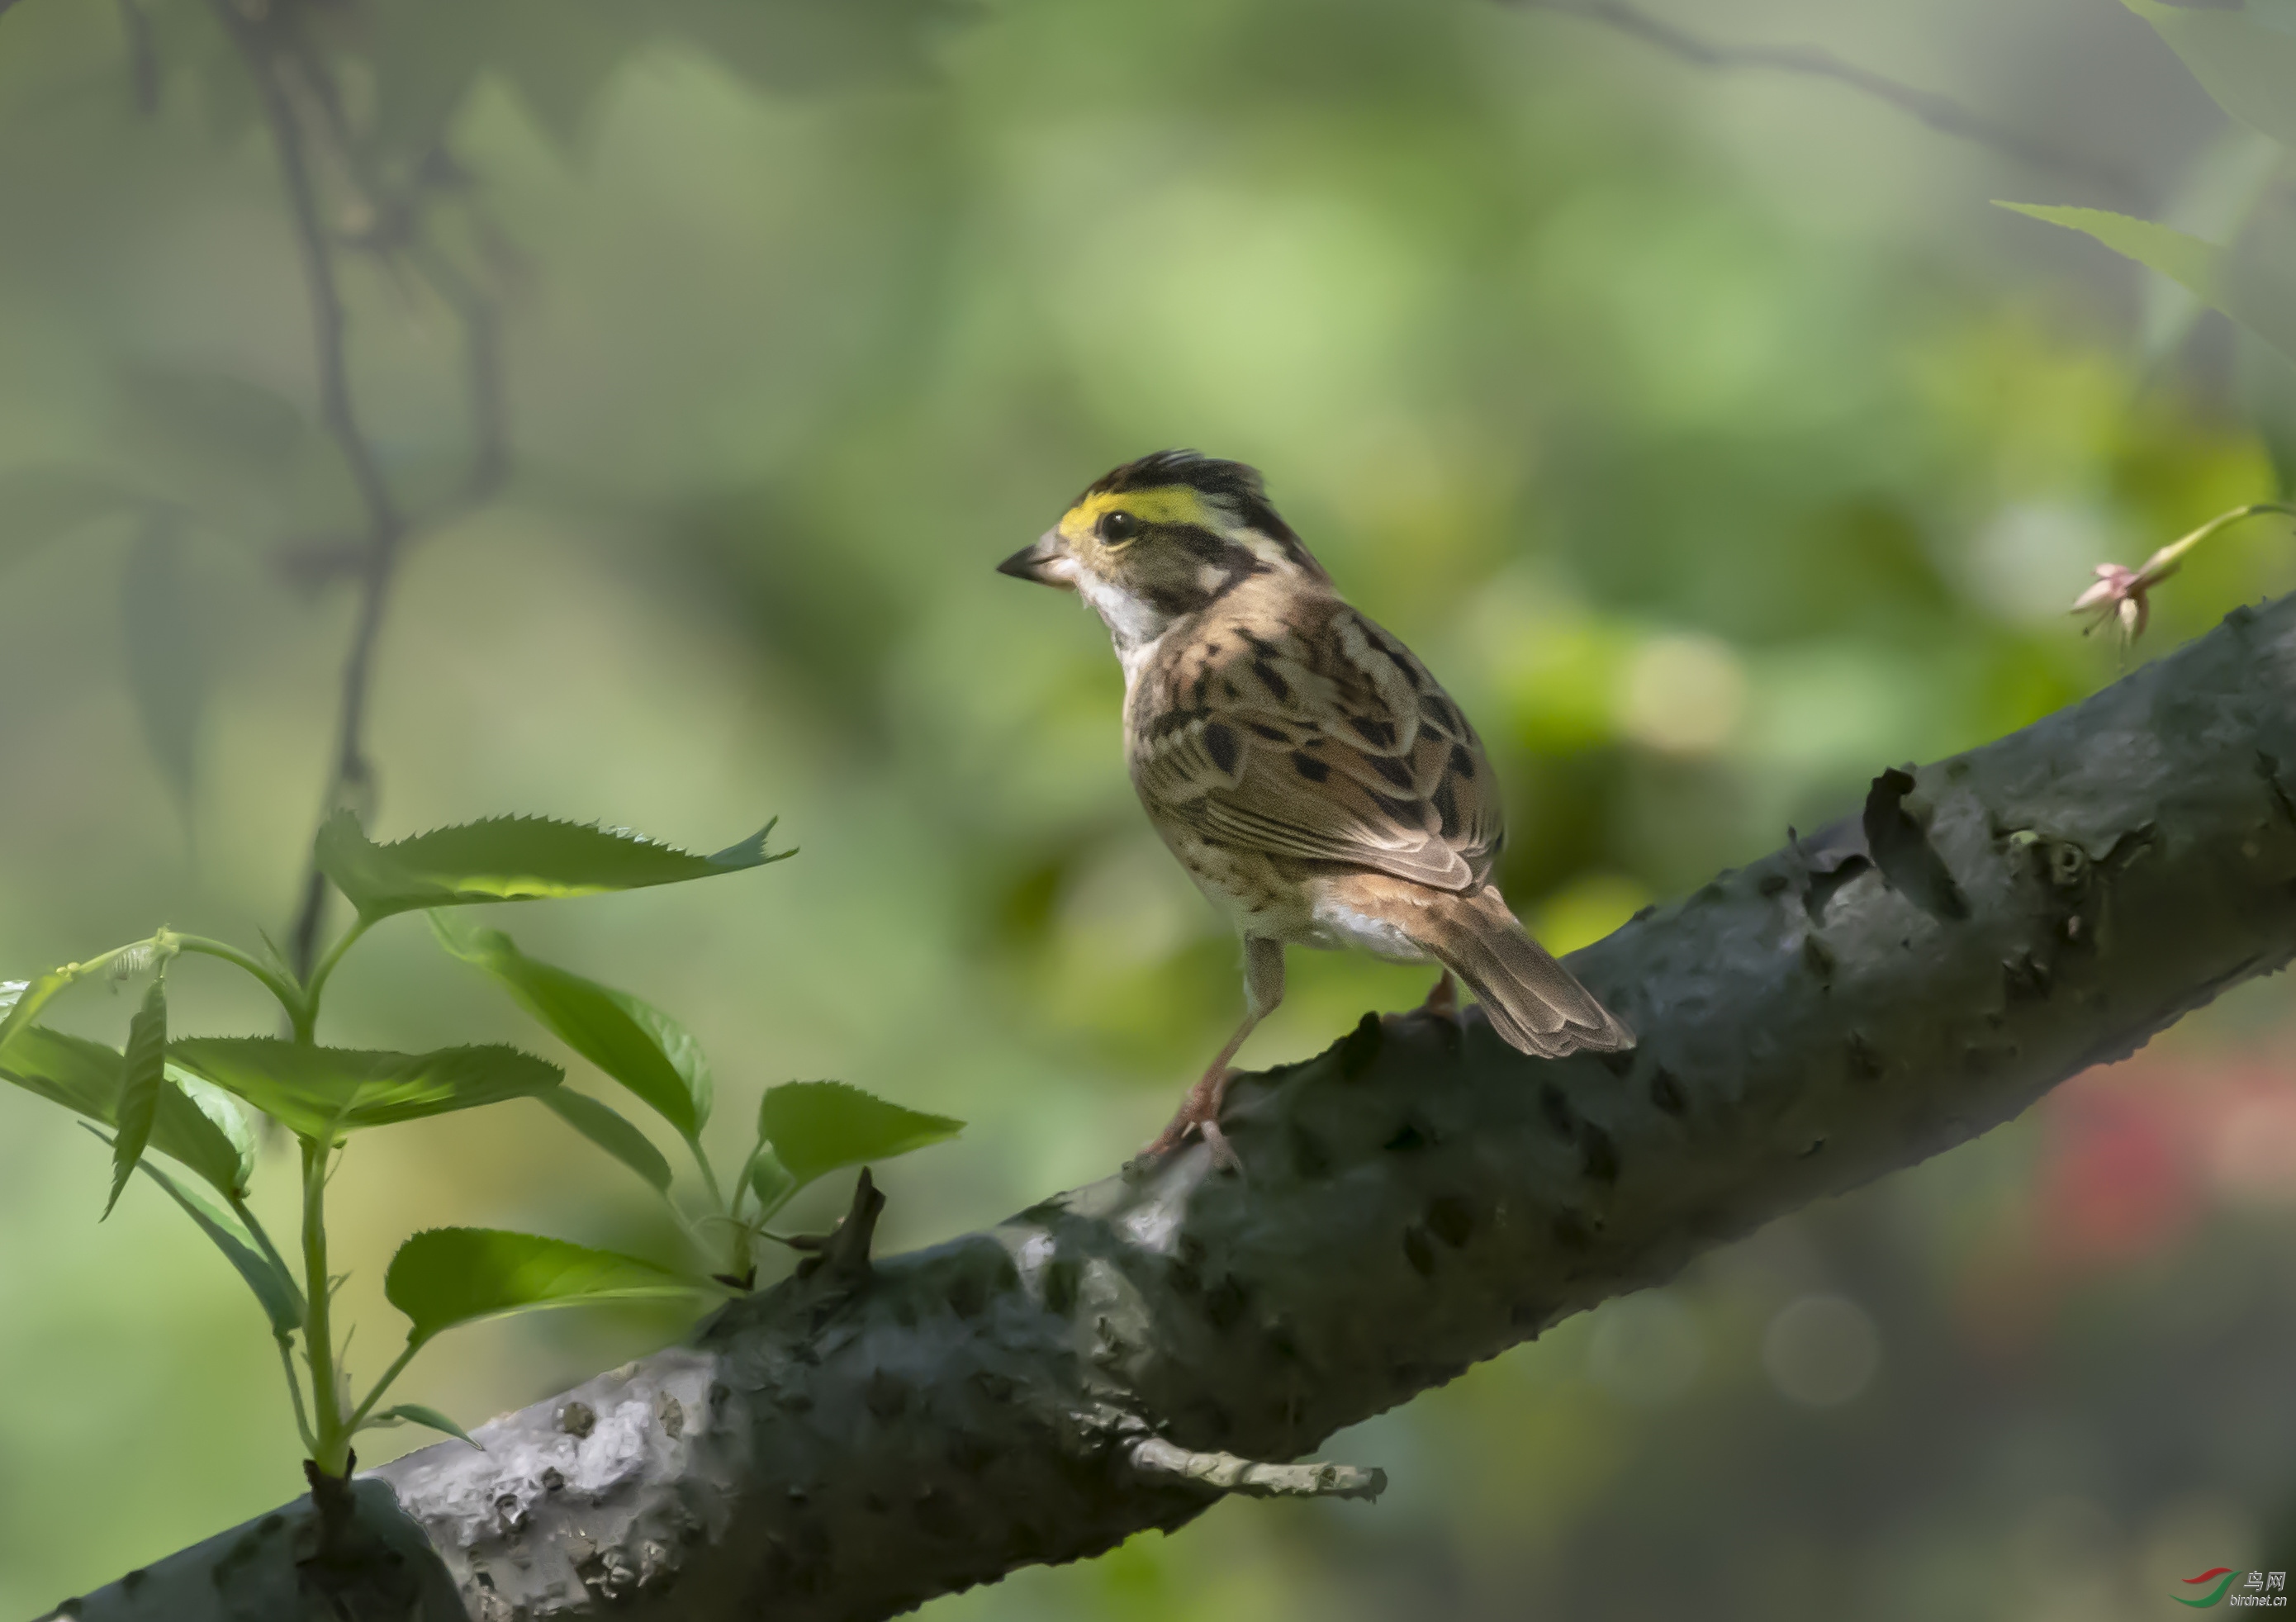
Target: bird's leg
1263,990
1443,997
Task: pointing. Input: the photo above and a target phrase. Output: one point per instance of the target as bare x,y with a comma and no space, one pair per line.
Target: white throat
1133,624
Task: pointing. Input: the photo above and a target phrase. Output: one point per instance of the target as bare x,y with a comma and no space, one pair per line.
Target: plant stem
709,1177
332,1450
742,1188
239,1208
277,984
306,1019
381,1385
295,1391
2164,562
738,1251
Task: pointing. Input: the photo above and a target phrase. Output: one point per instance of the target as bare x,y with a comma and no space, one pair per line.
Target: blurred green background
1706,432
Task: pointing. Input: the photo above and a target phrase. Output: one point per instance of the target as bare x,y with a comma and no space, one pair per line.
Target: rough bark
864,1437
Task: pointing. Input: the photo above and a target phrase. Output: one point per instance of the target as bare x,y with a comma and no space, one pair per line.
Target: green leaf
630,1039
2243,55
166,670
2182,258
449,1276
415,1414
512,859
320,1093
215,1114
771,1180
275,1291
816,1126
609,1132
2254,282
143,1078
21,1000
195,1123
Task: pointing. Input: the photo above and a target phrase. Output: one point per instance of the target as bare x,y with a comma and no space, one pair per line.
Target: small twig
1941,113
1225,1472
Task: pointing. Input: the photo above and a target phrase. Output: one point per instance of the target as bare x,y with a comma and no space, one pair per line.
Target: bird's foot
1199,1117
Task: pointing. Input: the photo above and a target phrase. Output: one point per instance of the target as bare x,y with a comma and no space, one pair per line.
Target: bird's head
1162,538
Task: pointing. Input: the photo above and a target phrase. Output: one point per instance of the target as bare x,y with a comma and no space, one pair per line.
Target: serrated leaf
143,1079
167,668
2253,282
449,1276
609,1132
512,859
415,1414
627,1037
211,1136
194,1123
817,1126
320,1093
274,1291
2243,56
38,504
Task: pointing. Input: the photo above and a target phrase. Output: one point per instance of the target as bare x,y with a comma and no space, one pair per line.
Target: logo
2215,1585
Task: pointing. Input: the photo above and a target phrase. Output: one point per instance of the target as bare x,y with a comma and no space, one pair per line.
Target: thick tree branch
872,1434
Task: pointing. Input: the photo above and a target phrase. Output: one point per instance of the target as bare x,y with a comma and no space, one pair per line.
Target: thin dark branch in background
143,58
373,563
1941,113
396,218
351,774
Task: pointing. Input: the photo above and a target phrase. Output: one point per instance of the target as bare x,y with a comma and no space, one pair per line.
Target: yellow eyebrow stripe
1175,504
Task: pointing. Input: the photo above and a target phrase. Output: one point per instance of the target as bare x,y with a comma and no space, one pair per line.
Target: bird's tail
1532,1001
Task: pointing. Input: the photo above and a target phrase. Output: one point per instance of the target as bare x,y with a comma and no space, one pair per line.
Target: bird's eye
1118,527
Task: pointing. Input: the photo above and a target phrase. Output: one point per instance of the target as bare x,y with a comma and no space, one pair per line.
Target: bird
1320,787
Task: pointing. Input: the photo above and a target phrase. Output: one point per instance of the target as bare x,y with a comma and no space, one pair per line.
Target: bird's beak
1045,563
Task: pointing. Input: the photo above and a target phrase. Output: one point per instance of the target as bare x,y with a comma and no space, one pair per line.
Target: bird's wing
1327,742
